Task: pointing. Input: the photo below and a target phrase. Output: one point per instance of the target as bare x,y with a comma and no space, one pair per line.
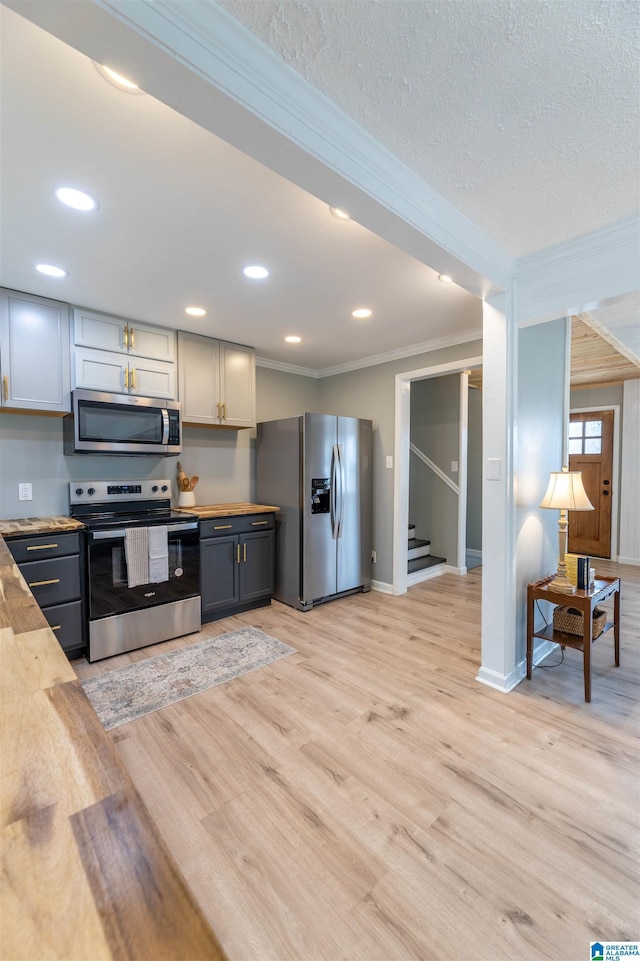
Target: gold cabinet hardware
5,387
258,523
237,554
132,338
133,378
54,580
126,378
125,337
223,527
55,627
244,552
219,405
41,547
224,410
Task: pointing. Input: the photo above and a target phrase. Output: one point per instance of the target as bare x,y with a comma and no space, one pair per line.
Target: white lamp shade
566,492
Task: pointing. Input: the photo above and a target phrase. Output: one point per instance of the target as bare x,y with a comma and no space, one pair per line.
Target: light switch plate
494,468
389,461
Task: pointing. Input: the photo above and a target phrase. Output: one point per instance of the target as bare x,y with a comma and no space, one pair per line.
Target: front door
591,451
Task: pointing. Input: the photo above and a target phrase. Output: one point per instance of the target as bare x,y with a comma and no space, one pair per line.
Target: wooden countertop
39,525
230,510
85,873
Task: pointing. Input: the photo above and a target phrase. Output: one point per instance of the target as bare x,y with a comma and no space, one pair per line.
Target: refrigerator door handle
334,492
340,478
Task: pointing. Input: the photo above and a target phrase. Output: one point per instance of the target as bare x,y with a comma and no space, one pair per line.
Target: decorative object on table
583,579
186,488
130,692
565,493
571,621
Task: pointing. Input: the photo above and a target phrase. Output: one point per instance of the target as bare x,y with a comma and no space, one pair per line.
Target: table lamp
565,493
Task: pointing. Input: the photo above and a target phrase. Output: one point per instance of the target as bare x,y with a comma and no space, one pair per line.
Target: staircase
419,556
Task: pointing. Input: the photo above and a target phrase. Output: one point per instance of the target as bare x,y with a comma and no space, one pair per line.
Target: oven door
109,592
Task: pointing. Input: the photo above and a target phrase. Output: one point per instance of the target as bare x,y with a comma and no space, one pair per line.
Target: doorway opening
402,460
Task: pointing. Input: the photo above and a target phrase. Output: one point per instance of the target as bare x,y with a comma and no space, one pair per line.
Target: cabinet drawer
43,546
65,621
242,524
54,581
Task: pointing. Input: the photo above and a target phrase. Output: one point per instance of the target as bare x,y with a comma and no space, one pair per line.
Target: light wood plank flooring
366,798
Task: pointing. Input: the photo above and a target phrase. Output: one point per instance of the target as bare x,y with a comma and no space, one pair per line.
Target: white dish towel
136,550
158,554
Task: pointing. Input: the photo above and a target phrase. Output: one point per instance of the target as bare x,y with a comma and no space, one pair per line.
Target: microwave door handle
165,425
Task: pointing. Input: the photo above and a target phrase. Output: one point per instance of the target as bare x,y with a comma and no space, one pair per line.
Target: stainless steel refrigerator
317,468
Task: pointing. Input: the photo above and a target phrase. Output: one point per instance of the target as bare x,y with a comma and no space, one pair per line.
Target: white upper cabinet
121,356
34,352
216,382
121,336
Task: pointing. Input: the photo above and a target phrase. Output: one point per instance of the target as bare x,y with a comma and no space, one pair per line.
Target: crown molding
579,275
413,350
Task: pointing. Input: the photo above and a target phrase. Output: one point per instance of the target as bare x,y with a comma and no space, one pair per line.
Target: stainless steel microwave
120,424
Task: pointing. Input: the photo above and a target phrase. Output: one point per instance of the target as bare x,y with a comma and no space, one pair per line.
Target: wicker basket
571,621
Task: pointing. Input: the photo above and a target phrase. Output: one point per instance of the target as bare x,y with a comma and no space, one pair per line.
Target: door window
585,437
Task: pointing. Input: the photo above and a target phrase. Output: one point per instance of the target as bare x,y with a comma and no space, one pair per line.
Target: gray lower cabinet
237,564
53,567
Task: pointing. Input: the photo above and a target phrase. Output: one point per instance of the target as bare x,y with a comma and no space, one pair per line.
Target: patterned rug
130,692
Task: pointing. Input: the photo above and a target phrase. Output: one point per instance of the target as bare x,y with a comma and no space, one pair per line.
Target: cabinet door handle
258,523
223,527
55,627
224,410
41,547
54,580
126,378
219,405
5,387
132,338
133,378
125,337
244,554
237,554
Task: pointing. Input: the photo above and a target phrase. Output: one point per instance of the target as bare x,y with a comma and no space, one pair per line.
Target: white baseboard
419,576
450,569
634,561
473,553
502,682
382,586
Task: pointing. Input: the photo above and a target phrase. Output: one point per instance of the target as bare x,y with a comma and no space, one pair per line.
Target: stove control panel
87,492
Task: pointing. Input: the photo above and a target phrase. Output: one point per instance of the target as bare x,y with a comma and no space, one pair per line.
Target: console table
584,601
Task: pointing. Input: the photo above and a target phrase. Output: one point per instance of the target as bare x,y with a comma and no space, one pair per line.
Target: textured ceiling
524,114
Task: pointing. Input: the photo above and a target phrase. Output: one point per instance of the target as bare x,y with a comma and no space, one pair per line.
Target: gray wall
31,446
474,471
540,432
435,430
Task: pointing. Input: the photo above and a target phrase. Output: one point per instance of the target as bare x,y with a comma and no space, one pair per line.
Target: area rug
130,692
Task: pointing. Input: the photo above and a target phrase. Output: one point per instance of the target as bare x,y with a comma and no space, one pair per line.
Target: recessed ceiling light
361,312
340,214
256,272
293,339
122,83
52,271
78,199
445,278
195,311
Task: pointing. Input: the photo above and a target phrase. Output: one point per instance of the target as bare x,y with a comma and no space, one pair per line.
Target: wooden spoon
192,483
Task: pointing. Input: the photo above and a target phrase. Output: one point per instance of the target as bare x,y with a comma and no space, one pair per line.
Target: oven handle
171,529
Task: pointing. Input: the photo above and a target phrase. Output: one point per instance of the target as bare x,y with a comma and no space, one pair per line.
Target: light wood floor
366,798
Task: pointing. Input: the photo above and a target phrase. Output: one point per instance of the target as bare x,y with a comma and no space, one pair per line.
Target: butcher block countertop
39,525
230,510
85,873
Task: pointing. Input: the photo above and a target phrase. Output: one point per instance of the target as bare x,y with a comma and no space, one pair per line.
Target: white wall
474,471
541,419
629,547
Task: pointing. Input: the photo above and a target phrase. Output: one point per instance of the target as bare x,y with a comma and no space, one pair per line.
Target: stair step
418,548
412,531
421,563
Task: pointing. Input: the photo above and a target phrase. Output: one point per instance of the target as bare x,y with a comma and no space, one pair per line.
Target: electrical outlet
389,461
373,557
25,492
